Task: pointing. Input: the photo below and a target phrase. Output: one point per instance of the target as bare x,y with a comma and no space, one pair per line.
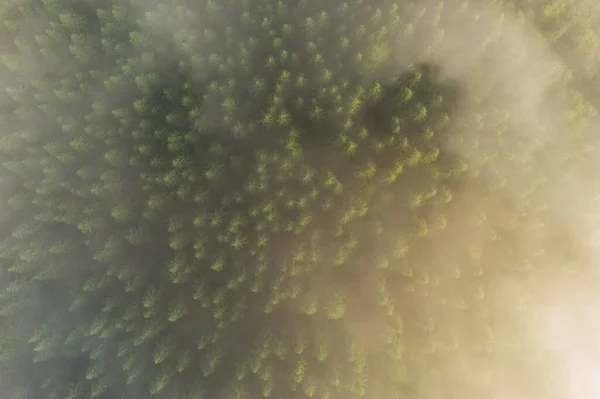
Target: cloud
516,128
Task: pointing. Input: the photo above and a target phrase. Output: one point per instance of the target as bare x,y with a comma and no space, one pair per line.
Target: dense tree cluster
248,198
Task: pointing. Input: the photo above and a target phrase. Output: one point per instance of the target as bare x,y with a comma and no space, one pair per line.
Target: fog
500,54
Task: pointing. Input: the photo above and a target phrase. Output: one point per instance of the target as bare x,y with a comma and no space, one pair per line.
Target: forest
295,199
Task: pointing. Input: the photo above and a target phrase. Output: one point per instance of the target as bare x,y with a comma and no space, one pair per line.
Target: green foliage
241,198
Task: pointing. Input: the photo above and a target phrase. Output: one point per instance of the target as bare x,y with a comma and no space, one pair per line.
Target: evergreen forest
293,199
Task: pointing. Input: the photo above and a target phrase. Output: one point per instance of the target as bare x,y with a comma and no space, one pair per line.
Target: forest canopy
243,199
